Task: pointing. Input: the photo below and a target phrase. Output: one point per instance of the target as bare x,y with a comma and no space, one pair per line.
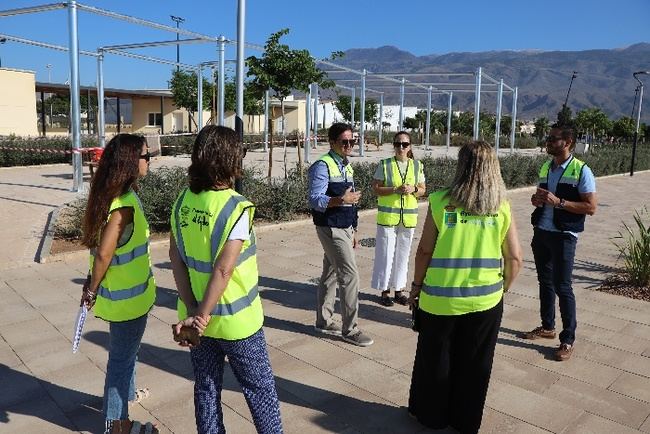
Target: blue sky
421,27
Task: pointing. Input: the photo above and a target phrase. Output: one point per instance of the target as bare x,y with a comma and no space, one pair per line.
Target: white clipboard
79,326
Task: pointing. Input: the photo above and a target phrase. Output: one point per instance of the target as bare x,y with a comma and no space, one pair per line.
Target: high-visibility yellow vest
340,216
395,208
128,289
201,224
465,272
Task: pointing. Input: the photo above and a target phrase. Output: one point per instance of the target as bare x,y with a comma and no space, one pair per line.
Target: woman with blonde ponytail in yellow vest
468,256
398,183
121,288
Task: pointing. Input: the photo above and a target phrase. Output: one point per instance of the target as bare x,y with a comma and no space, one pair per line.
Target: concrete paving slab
589,423
634,386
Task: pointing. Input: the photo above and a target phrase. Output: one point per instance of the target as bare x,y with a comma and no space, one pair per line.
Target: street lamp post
566,100
49,72
638,118
2,41
178,21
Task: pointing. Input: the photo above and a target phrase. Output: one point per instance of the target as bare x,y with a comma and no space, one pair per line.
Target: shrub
635,249
28,151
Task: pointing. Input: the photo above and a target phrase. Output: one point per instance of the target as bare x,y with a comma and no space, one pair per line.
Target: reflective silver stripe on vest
337,179
124,294
388,172
127,257
250,251
568,180
410,211
464,263
416,167
389,209
220,223
180,245
237,305
451,291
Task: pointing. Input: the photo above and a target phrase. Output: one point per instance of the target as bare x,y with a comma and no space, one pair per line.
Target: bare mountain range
604,77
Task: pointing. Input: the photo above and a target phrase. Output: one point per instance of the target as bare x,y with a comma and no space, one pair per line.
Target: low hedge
285,199
29,151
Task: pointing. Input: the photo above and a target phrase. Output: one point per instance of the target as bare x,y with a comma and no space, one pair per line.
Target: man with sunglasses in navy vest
565,195
333,200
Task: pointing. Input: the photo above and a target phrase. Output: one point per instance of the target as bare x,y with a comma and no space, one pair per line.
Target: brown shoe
563,352
539,332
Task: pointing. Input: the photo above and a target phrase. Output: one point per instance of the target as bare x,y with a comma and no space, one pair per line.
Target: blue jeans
554,253
249,361
119,387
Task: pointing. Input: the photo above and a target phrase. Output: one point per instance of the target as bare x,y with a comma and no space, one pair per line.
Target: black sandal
385,299
401,298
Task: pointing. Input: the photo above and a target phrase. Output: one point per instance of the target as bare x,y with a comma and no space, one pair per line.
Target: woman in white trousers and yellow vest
468,256
213,255
398,182
121,288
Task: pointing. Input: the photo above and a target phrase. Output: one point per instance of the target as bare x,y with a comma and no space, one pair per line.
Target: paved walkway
325,385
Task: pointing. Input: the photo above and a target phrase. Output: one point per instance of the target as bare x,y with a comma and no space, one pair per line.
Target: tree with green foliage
463,124
624,128
283,70
184,87
343,104
592,121
565,117
542,128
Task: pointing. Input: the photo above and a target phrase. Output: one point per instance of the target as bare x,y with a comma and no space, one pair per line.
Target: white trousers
392,252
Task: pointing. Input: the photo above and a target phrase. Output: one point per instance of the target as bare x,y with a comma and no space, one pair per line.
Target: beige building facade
17,103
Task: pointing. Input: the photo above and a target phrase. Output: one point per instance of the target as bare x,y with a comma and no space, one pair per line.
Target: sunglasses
348,142
553,139
404,145
146,157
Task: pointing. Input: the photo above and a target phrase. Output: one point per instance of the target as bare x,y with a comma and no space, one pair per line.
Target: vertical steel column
427,136
199,97
477,104
362,127
118,113
381,118
101,116
401,105
497,127
266,120
638,123
315,125
514,121
43,113
239,115
353,101
162,115
75,107
449,114
308,124
221,80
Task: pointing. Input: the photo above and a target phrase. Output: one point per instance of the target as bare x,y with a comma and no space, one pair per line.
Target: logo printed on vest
451,218
185,212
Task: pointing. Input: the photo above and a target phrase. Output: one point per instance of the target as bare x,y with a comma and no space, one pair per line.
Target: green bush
29,151
635,249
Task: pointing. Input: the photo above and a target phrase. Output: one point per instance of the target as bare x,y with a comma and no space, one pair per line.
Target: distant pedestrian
214,262
121,289
333,200
398,182
566,193
458,287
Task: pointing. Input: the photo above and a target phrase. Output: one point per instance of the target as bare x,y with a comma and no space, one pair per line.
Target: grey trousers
339,270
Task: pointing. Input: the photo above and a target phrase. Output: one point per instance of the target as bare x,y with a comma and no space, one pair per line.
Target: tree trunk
300,165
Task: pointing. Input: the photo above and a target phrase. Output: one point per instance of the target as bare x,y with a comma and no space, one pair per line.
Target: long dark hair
117,172
404,133
216,158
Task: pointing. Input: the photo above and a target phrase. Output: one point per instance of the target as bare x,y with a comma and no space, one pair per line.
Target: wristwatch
416,189
561,204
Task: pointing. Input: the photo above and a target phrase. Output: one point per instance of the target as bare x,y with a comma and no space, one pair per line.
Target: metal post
315,126
449,114
177,20
75,120
101,117
221,105
497,127
266,120
427,136
199,97
88,107
513,126
162,115
362,120
477,104
381,118
638,119
43,113
119,114
307,124
239,114
401,105
353,102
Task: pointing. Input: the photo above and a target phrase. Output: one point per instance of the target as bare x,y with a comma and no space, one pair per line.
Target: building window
155,120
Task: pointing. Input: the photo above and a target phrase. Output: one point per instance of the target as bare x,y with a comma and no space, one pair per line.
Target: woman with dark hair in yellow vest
468,256
121,287
398,182
213,255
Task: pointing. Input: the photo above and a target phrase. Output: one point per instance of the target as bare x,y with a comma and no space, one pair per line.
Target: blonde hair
477,185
